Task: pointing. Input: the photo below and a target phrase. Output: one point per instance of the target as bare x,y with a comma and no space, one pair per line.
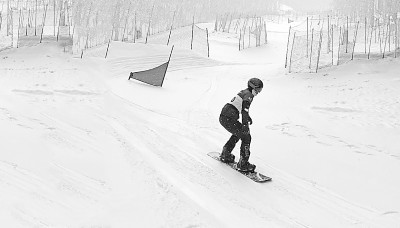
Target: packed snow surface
81,146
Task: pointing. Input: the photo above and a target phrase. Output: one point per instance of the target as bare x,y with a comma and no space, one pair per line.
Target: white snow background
81,146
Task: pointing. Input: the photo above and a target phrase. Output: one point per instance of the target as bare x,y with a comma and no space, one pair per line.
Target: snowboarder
229,119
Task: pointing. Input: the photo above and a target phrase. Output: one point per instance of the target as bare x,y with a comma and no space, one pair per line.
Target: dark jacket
240,104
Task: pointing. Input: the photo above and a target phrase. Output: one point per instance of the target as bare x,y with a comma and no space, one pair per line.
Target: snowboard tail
255,176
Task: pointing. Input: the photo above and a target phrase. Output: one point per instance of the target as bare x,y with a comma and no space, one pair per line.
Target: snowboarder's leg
226,155
243,164
233,126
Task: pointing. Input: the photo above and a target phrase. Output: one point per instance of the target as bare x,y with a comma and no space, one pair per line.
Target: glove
250,120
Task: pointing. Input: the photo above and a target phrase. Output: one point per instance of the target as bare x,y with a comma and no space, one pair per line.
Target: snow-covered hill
81,146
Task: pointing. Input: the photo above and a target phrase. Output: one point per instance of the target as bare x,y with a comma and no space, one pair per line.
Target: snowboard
255,176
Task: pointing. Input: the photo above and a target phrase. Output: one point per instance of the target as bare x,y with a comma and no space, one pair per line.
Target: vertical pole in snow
332,42
19,25
8,17
347,33
379,39
311,48
169,59
291,53
108,46
307,39
396,38
319,50
191,42
389,32
208,44
169,36
12,28
365,36
340,35
287,46
375,26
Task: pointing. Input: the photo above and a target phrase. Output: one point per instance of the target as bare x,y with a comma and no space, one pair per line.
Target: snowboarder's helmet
255,84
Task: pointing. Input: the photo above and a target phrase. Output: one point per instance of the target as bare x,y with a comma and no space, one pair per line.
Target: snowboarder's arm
245,112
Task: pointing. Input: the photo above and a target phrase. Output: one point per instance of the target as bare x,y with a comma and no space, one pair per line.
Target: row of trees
98,21
368,8
162,12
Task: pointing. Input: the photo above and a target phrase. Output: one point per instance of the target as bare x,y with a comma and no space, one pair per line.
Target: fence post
347,33
208,44
340,35
365,36
319,50
307,39
396,38
311,48
58,29
108,46
191,42
169,35
332,42
379,38
291,53
12,28
287,46
36,9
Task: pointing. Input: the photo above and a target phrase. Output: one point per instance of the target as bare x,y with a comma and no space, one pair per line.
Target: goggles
257,90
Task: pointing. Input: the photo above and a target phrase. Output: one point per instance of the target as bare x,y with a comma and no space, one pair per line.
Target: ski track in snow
184,162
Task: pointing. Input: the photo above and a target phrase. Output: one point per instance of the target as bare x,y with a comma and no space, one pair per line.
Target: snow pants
236,129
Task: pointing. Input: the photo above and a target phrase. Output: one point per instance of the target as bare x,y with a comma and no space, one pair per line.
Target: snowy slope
84,147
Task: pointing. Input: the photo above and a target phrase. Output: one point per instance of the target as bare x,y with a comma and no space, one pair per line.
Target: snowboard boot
226,156
245,166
